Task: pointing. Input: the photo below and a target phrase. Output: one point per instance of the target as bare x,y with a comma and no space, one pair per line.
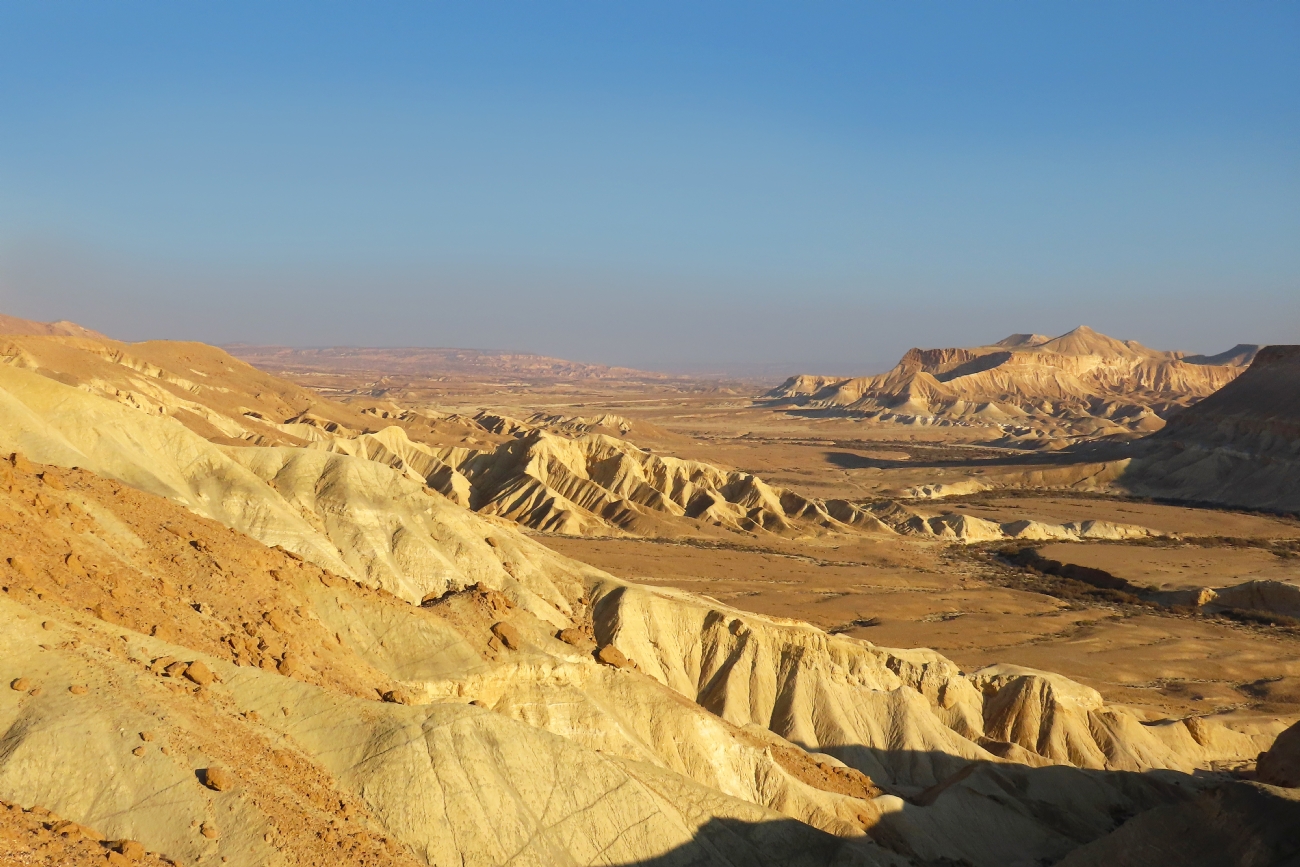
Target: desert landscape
285,607
661,434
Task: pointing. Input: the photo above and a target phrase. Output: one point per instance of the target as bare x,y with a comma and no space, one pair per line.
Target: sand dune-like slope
1079,384
1239,447
291,655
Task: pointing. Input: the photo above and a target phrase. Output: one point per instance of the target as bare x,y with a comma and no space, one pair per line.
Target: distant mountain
12,325
1081,384
430,362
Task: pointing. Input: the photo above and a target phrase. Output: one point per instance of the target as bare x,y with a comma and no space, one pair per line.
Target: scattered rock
209,830
129,848
218,779
176,669
574,636
398,696
508,634
20,684
612,656
199,673
78,689
276,621
146,736
138,751
289,665
116,859
66,828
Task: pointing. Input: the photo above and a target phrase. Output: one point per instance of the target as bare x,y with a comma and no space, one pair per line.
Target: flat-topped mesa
1080,384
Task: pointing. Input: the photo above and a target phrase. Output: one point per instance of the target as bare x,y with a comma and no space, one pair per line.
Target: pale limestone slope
354,517
902,717
451,783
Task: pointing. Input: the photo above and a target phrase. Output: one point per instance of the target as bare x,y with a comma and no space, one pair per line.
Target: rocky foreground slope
1081,384
276,654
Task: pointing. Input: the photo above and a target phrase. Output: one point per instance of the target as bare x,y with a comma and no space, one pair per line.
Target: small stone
199,673
509,636
78,689
477,703
45,624
21,464
289,665
612,656
146,736
276,621
20,684
397,696
130,848
138,751
35,692
176,669
207,829
116,859
218,779
573,636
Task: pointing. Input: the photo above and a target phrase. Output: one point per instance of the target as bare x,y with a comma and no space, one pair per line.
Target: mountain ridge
1079,384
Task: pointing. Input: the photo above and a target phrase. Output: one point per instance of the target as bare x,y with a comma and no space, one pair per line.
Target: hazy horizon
668,187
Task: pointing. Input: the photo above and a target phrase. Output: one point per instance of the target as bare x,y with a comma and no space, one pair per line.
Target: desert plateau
278,607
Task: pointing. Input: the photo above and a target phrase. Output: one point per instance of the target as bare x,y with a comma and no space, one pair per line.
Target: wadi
1030,603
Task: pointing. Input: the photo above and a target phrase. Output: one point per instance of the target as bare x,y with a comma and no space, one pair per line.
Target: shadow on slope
1062,458
991,815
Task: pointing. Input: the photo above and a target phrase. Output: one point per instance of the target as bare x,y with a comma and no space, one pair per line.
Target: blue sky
688,185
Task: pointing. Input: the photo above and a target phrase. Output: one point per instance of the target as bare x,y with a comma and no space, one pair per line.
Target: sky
793,187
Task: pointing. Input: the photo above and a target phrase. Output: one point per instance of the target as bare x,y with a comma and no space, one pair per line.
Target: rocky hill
12,325
1238,447
1081,384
